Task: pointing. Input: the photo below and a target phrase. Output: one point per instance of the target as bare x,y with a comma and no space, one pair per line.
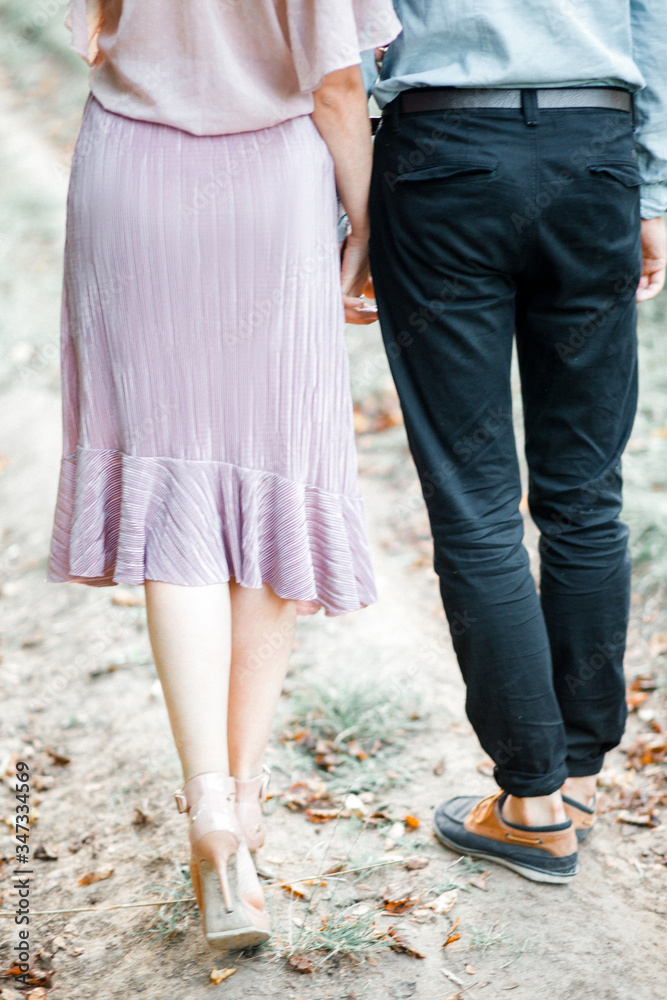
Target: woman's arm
341,116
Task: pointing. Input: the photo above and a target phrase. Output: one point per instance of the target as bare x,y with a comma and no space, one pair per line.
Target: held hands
654,258
356,282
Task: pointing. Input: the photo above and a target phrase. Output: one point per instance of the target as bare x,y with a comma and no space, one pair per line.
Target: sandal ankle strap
248,789
197,786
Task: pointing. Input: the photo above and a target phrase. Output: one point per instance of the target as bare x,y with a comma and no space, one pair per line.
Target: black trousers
486,227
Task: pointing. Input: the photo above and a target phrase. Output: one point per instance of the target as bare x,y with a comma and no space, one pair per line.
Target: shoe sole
227,931
534,874
237,940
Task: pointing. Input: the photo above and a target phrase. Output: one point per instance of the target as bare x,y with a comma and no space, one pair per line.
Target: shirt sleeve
83,20
369,70
326,35
649,44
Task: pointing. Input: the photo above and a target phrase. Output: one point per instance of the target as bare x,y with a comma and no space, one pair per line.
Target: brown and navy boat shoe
476,827
582,816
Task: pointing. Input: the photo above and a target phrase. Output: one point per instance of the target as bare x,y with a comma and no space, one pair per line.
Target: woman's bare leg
190,633
262,638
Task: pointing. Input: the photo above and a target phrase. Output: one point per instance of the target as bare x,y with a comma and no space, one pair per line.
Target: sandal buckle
181,801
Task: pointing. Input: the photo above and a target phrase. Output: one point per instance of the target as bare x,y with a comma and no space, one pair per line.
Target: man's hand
654,258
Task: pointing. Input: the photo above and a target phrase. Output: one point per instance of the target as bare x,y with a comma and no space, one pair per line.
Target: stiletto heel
224,879
250,794
226,891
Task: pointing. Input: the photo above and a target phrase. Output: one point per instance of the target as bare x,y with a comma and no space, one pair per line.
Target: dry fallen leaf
649,749
217,975
403,905
644,682
38,994
34,639
635,698
42,782
413,864
35,977
97,876
451,939
356,750
302,963
45,853
636,819
471,970
657,644
141,818
401,944
444,902
58,758
334,869
479,883
295,890
129,599
486,768
361,422
411,821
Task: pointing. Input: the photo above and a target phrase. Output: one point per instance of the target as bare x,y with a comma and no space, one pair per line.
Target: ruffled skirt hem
125,519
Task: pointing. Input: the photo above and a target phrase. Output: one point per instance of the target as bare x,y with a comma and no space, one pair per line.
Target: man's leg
577,348
444,256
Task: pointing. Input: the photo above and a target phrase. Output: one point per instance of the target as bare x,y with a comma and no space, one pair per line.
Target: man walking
517,192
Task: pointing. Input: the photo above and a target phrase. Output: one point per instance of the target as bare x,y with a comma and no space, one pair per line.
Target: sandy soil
81,703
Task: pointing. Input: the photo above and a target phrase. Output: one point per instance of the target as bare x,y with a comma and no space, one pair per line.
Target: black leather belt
442,98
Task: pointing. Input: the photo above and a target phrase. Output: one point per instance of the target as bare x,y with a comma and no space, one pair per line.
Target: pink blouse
218,66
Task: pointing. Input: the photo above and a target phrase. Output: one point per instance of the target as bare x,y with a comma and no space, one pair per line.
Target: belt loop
529,106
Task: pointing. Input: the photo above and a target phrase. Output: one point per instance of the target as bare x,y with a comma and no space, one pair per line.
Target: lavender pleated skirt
206,403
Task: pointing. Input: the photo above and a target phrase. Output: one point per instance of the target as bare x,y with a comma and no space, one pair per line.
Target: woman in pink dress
208,445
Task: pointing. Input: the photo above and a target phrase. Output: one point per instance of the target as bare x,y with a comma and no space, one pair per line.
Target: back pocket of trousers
467,170
625,171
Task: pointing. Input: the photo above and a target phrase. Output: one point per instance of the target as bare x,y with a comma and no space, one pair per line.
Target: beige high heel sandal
224,879
250,794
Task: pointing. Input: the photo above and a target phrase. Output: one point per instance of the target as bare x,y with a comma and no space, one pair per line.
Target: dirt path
81,703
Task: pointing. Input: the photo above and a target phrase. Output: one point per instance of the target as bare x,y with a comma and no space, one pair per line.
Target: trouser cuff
584,768
526,786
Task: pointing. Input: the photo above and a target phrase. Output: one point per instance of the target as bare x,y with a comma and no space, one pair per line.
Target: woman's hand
356,282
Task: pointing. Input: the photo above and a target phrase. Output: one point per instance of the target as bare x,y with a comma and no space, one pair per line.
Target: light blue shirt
541,43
